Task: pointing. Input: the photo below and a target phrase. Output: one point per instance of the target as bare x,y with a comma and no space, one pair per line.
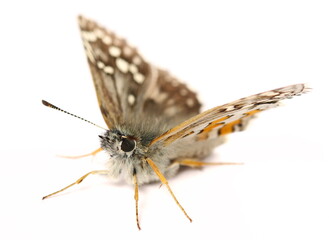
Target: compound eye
127,145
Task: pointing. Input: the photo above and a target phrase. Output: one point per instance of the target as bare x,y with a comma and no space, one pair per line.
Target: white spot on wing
100,65
230,108
114,51
107,40
89,36
171,110
190,102
131,99
122,65
99,33
133,68
108,70
139,78
127,51
137,60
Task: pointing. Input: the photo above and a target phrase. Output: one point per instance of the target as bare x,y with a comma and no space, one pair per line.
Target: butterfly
154,121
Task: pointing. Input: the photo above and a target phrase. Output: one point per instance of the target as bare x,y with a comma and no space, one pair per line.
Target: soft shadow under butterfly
154,121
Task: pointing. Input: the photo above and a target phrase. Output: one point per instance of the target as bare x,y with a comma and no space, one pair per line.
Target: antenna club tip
44,102
48,104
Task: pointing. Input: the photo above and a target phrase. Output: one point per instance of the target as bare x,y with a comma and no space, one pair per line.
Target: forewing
118,71
229,117
125,83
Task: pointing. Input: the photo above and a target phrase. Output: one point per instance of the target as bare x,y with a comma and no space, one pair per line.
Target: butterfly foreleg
77,182
165,182
136,200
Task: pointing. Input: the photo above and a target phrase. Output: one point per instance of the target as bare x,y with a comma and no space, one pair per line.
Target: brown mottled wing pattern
118,71
229,117
171,99
125,83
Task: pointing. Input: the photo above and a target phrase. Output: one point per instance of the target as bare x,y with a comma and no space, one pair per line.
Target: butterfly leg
193,162
136,200
77,182
165,182
93,153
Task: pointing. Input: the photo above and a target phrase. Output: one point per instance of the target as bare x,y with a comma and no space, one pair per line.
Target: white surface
225,50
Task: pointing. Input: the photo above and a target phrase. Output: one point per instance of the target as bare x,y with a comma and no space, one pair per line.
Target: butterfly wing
125,83
170,99
227,118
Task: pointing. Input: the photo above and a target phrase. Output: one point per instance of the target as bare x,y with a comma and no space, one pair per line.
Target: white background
223,49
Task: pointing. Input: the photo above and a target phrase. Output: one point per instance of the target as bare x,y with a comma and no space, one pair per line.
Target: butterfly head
117,144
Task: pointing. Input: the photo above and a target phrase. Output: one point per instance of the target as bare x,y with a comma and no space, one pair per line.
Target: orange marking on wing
214,124
184,127
174,137
228,128
253,112
204,134
183,132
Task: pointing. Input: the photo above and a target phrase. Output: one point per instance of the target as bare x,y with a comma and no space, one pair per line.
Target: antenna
47,104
